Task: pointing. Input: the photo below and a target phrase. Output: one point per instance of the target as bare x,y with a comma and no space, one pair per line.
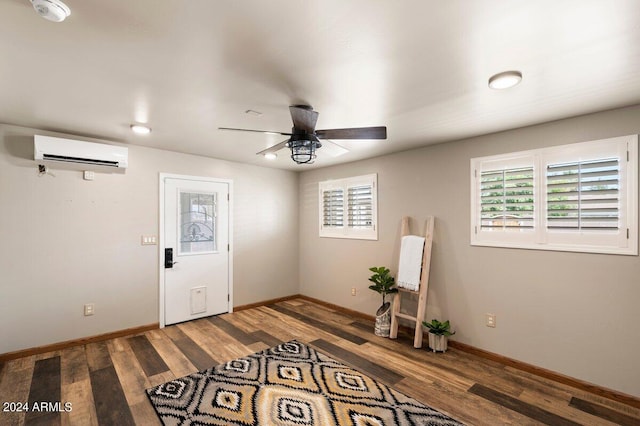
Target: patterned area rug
289,385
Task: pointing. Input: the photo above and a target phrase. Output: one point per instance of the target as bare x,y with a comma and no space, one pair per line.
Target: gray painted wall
573,313
66,242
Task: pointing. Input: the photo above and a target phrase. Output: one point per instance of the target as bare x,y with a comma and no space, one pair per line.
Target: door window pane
197,222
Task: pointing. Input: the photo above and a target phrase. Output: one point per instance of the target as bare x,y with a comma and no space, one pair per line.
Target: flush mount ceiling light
140,129
505,80
51,10
270,155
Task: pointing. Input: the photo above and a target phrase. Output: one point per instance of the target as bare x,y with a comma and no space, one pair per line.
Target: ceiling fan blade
274,148
304,118
332,149
354,133
268,132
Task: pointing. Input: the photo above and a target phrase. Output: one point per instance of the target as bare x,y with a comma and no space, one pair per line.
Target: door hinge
228,197
627,156
228,297
476,229
228,247
627,233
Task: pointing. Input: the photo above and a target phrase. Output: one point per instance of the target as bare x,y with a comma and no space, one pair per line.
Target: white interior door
196,249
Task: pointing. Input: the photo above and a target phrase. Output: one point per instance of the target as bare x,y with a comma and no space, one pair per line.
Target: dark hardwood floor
103,383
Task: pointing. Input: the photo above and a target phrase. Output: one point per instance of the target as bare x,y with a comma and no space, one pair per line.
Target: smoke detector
52,10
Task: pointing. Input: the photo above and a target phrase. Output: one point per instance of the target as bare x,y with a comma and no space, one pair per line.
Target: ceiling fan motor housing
301,135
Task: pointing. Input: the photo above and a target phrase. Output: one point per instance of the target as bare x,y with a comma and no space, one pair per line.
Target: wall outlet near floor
490,320
353,291
89,309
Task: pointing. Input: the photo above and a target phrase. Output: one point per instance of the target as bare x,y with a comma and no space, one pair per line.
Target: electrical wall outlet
353,291
490,320
89,309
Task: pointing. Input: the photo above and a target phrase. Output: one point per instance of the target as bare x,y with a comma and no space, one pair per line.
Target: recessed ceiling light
505,80
140,129
271,156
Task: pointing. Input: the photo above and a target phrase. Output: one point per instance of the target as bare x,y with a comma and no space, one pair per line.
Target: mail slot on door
168,258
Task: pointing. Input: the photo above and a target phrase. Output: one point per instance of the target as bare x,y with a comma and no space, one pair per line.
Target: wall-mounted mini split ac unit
47,148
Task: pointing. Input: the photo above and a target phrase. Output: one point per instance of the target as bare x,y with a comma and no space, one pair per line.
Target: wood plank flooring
104,382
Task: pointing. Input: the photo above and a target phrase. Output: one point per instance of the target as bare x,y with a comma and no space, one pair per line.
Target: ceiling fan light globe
303,151
303,158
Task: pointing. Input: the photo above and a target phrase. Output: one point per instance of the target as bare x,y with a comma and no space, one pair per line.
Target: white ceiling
420,67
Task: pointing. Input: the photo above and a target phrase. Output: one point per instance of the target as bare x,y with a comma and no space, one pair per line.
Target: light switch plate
149,240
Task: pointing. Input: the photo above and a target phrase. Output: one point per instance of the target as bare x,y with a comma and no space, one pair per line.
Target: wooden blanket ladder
422,290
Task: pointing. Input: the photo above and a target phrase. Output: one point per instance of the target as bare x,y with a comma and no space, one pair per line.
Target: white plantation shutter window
579,197
503,194
506,198
360,206
333,208
584,195
348,208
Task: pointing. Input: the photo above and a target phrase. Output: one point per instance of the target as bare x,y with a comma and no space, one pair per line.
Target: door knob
168,258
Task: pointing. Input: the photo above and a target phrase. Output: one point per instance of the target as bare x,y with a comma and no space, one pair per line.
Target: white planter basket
383,320
438,342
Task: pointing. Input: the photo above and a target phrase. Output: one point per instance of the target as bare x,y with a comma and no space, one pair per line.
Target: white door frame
161,238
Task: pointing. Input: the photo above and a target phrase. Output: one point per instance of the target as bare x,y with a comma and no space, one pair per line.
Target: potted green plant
383,283
438,334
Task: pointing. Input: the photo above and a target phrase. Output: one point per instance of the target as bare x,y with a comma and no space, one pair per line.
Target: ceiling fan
304,139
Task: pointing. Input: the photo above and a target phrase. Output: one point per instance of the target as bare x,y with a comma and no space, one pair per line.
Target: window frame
346,231
623,240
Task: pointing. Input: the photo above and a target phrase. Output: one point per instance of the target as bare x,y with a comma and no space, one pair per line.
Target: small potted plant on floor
438,334
383,283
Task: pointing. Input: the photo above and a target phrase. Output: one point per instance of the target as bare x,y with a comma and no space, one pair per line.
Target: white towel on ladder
411,249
